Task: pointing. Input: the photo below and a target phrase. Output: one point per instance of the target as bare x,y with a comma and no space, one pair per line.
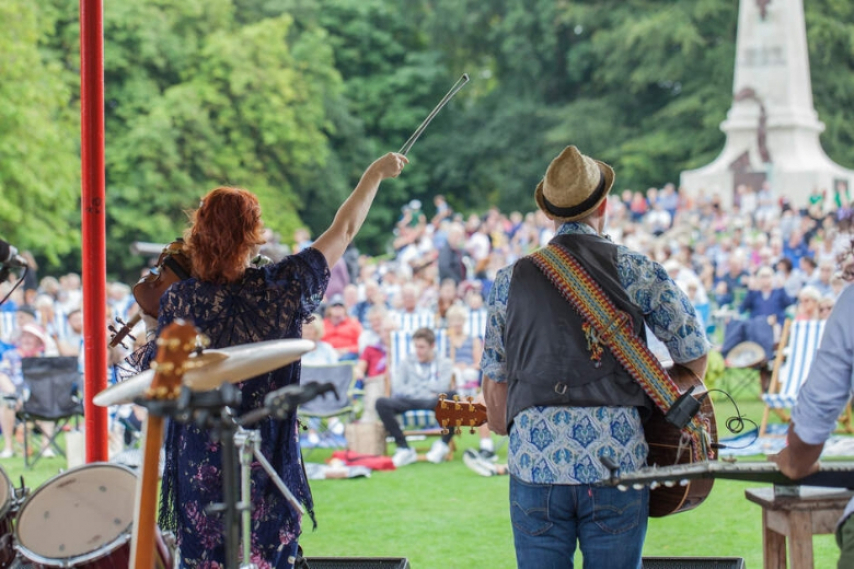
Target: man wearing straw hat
553,384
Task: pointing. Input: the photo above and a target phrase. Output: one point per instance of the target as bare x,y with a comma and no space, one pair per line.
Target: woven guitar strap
614,328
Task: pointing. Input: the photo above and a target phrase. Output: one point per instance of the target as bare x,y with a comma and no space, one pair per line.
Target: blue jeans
548,520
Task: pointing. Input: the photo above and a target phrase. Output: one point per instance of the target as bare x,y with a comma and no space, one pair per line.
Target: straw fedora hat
574,186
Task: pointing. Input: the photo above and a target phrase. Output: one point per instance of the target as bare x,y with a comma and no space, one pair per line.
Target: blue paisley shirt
562,445
269,303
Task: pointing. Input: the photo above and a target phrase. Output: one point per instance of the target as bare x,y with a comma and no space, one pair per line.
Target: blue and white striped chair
420,421
410,322
476,323
801,339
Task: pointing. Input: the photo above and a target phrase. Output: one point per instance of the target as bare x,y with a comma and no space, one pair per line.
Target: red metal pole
93,223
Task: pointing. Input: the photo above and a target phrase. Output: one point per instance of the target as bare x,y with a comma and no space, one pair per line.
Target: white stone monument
772,128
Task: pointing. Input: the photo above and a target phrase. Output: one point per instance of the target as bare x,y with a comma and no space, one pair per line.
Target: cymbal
213,367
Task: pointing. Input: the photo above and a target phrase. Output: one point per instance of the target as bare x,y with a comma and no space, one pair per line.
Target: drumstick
457,86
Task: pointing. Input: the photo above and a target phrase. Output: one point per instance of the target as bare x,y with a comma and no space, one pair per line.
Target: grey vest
548,361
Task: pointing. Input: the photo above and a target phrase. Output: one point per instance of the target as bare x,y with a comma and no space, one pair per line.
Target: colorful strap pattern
614,328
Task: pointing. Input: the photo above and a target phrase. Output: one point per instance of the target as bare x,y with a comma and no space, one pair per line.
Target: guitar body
663,439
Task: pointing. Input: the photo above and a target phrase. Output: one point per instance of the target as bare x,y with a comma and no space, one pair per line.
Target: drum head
746,354
83,512
6,493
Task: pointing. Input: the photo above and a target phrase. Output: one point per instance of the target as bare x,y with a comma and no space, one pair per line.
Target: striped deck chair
801,339
476,323
410,322
420,422
8,325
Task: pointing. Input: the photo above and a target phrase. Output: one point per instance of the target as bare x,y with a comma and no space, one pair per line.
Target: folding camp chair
419,423
800,339
322,411
50,395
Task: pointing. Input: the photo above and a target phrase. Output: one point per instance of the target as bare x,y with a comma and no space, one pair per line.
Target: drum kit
83,517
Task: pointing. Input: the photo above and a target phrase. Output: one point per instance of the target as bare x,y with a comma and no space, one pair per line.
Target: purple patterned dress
269,303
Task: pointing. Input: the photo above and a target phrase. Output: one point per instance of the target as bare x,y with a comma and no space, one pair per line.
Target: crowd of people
762,259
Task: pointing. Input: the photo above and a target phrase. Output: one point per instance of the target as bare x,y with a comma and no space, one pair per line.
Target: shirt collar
575,227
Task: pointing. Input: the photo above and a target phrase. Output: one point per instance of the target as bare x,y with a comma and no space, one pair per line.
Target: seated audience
29,344
416,383
464,351
341,331
323,353
372,367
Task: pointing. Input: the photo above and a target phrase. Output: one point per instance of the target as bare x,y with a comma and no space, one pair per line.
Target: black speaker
693,563
357,563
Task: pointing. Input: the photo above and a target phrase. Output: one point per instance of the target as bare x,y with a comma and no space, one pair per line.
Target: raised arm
351,215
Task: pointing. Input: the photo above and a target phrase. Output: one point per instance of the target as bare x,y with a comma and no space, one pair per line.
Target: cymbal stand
247,443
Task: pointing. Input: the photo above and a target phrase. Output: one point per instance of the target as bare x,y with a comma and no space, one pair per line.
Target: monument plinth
772,129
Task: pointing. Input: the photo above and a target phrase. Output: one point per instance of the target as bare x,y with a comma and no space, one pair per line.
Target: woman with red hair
234,303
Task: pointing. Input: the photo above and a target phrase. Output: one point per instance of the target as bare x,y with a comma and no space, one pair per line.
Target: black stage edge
693,563
357,563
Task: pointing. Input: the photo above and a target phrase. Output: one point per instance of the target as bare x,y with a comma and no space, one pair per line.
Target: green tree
39,179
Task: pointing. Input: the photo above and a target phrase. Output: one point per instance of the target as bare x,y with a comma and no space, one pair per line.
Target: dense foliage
293,98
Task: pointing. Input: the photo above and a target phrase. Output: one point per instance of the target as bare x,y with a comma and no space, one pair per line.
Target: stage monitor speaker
693,563
357,563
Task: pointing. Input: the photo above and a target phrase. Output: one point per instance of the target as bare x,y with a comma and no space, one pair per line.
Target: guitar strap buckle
614,326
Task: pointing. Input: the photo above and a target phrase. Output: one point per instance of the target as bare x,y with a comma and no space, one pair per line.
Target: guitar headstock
174,346
456,414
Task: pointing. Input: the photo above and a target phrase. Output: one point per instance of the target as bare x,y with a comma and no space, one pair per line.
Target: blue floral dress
269,303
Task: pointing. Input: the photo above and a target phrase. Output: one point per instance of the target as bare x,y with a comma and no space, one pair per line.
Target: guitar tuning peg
683,482
457,431
637,486
654,484
622,487
456,397
471,430
444,431
669,483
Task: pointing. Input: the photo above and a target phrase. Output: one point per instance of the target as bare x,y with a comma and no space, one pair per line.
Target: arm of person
360,369
495,396
352,213
698,366
797,459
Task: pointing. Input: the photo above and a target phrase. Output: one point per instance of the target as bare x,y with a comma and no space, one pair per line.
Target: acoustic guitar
666,445
667,448
174,347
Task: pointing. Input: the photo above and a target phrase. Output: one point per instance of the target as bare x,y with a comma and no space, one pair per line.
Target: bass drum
82,518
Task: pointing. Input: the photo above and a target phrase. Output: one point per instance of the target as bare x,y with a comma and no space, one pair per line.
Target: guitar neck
832,474
143,542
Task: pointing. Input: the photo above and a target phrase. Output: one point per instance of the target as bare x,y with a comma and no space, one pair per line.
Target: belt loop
560,388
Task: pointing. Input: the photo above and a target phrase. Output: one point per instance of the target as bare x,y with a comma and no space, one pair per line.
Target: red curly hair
224,231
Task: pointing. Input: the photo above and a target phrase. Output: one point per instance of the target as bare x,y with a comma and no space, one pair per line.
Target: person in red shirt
341,330
372,369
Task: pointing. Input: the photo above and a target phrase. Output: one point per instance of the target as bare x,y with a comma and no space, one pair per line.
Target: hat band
591,200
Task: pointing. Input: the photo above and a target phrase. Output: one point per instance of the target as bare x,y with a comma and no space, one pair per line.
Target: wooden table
815,511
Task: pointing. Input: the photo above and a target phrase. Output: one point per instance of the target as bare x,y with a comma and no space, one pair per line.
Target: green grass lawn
445,516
